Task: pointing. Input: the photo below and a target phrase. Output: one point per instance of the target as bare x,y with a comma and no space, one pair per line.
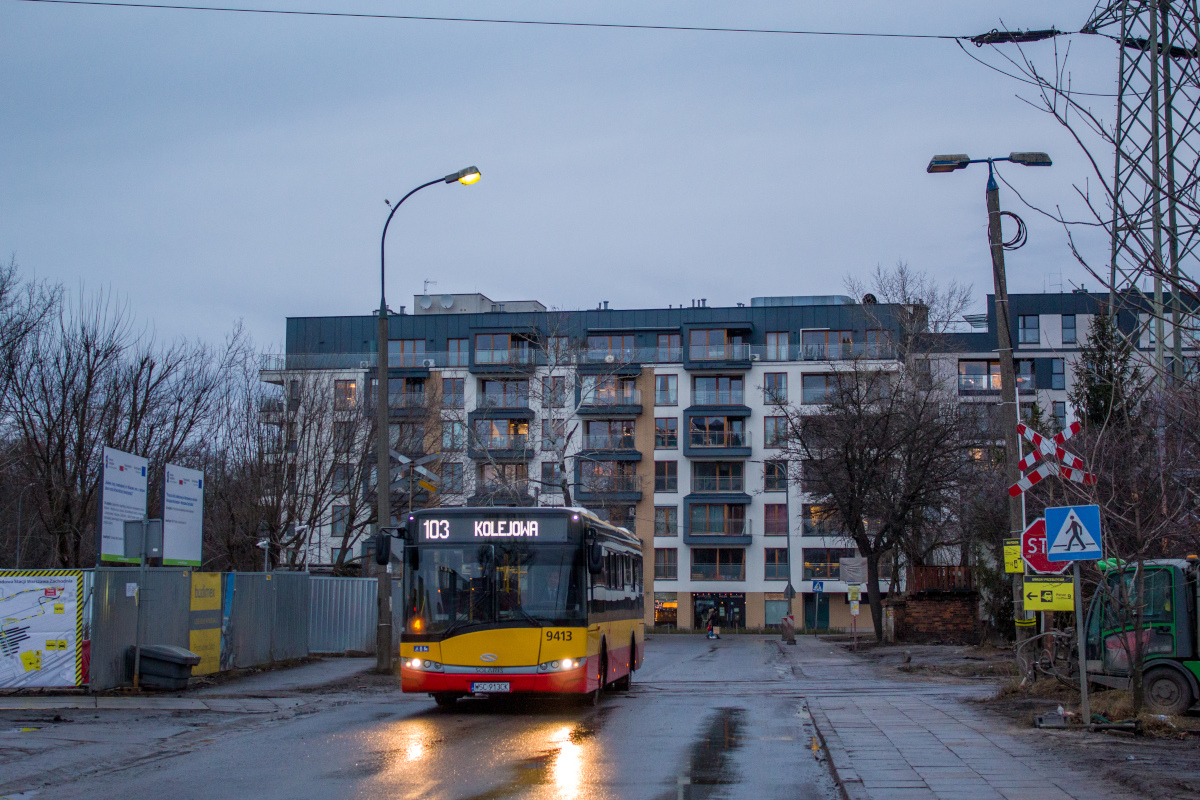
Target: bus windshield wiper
529,616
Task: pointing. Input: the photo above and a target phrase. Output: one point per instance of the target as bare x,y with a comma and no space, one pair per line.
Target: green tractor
1170,631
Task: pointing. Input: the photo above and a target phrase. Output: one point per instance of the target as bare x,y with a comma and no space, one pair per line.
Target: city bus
517,600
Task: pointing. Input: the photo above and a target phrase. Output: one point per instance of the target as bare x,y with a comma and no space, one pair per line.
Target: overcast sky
214,167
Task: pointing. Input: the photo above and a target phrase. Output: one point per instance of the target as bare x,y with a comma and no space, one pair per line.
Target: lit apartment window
345,394
978,376
1028,329
717,432
1068,329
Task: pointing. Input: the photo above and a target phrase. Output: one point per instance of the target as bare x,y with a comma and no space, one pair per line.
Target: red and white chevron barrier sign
1072,468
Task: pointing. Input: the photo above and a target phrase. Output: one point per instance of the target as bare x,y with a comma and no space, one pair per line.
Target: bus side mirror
383,549
595,558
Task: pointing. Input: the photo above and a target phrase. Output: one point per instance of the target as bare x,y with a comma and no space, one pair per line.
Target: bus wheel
625,682
445,699
1167,692
595,698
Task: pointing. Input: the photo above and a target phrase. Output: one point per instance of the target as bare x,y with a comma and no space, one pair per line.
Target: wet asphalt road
705,719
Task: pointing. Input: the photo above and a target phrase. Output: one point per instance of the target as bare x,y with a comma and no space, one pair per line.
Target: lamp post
383,473
1004,344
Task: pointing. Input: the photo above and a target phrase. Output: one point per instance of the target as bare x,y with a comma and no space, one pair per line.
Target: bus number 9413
558,636
436,528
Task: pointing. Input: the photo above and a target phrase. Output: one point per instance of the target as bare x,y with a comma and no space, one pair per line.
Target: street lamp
1008,386
383,474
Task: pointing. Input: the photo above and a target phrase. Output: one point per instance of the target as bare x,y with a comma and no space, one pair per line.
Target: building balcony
728,356
716,485
624,402
611,488
507,400
718,572
501,447
508,493
705,397
841,352
608,441
733,533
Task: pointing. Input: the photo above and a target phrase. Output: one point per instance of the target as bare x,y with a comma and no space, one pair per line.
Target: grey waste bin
162,666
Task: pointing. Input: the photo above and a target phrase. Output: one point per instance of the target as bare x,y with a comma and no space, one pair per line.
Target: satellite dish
447,301
426,302
610,358
869,299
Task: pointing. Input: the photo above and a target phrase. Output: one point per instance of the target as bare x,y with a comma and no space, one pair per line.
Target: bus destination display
458,529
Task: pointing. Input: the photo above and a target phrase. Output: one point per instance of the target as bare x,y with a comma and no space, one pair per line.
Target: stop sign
1033,549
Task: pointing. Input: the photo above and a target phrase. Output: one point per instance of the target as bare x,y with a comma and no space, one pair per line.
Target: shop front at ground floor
754,610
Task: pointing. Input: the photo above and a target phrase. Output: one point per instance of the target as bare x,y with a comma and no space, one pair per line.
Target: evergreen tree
1107,386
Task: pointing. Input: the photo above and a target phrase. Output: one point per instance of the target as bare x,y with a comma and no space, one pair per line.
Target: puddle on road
709,764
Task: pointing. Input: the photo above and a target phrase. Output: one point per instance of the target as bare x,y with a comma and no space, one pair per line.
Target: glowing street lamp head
464,176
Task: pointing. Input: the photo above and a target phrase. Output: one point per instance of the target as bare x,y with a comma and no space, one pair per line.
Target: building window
608,434
775,476
718,476
879,344
500,348
1068,329
817,520
345,394
554,391
343,436
1024,375
716,345
502,434
503,476
775,519
666,608
666,476
666,390
815,388
609,391
666,564
558,350
666,521
827,345
821,563
453,392
552,477
1060,414
454,435
777,346
666,433
774,431
777,564
718,564
1058,377
775,388
504,394
341,478
717,391
619,346
406,353
341,516
452,477
718,519
1028,330
670,347
978,376
554,434
458,355
717,432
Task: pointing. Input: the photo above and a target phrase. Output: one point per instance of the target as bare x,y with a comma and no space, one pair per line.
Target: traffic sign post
818,587
1033,549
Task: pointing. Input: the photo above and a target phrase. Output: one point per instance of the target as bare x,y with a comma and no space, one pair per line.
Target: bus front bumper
573,681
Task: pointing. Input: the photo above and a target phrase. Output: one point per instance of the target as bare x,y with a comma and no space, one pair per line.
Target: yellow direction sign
853,592
1012,556
1049,593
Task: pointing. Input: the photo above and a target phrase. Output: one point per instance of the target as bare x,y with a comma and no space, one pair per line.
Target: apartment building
667,421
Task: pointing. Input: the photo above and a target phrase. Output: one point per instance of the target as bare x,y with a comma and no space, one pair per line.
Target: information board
41,626
1049,593
122,498
183,516
204,636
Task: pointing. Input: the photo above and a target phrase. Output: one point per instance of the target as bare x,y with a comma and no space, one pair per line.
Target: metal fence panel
290,639
247,638
342,615
165,598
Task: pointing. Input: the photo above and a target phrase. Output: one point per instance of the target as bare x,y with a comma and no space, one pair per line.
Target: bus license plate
489,688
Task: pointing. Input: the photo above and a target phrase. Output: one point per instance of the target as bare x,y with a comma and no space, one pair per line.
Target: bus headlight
424,666
559,666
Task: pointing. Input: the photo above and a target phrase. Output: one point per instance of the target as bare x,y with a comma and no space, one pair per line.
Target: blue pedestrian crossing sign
818,587
1073,534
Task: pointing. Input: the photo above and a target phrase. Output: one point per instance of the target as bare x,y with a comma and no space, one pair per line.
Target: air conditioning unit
610,358
428,363
755,357
364,365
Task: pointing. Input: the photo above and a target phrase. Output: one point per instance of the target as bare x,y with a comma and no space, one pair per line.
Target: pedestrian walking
714,632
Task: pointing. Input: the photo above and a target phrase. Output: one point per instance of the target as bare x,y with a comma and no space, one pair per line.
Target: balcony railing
612,483
718,572
355,361
503,400
623,397
712,484
510,356
270,405
719,352
777,572
711,397
731,527
503,441
989,384
608,441
819,571
400,399
719,438
940,579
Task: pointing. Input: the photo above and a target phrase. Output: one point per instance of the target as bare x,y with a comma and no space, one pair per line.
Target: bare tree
925,307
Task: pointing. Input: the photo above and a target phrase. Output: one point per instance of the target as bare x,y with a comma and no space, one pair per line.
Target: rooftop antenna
427,285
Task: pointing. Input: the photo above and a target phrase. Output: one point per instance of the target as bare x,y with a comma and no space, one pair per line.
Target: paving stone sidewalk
894,743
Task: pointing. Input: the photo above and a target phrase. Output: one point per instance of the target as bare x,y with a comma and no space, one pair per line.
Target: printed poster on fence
122,498
183,516
204,622
41,626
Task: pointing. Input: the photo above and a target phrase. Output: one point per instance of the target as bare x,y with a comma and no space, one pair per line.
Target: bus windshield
456,587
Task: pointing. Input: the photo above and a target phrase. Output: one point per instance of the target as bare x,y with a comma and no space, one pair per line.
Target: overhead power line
497,21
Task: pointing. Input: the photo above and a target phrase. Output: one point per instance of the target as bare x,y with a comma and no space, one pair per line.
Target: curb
847,779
